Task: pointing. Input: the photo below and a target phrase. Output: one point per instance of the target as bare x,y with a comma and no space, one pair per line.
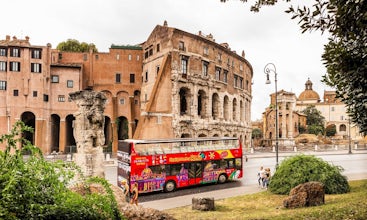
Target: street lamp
350,144
270,67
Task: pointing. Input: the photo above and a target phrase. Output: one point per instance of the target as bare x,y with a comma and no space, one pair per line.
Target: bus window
158,169
178,169
238,163
230,163
223,164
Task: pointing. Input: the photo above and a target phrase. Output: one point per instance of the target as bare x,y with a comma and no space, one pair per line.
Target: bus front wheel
222,178
170,186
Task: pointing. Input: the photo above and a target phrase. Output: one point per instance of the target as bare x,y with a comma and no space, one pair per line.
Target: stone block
203,204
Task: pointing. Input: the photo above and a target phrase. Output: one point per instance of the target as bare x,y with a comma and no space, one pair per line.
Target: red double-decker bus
168,164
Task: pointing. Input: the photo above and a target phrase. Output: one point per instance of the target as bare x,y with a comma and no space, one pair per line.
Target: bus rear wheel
170,186
222,178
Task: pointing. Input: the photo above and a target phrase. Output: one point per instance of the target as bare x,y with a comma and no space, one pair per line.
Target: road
354,168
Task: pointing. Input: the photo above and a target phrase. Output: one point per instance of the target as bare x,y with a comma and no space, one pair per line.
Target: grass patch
265,205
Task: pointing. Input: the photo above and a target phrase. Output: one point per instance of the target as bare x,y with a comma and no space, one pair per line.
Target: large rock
306,194
203,204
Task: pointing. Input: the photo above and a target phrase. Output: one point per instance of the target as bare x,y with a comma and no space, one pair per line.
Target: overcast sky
268,36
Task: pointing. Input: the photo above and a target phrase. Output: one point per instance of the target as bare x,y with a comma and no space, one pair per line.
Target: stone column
284,120
62,136
290,121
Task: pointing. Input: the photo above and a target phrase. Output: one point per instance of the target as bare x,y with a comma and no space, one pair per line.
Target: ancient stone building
192,87
176,84
289,120
331,108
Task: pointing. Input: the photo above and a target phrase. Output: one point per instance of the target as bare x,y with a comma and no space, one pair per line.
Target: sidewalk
259,154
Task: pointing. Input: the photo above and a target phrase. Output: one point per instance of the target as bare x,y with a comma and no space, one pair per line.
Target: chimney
14,37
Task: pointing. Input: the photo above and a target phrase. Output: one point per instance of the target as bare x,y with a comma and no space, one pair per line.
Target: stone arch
202,135
70,143
226,108
215,106
184,100
55,133
202,103
109,102
29,119
122,128
234,109
342,128
185,135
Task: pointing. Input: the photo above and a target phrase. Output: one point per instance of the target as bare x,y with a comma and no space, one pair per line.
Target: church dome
308,94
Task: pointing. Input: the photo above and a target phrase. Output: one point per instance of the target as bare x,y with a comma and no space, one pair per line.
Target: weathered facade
176,84
193,87
289,119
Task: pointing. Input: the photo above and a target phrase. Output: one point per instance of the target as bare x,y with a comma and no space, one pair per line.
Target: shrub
33,188
305,168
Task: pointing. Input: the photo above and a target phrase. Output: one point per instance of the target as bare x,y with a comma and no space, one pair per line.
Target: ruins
88,128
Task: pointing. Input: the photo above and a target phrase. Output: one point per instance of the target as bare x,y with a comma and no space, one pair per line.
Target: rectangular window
235,81
3,52
85,57
129,56
15,52
2,85
61,98
225,76
146,76
205,68
241,83
2,66
36,53
132,78
181,46
217,73
15,92
15,66
55,79
122,101
136,101
158,47
219,57
70,83
118,78
184,64
36,68
45,98
117,56
137,57
35,94
206,50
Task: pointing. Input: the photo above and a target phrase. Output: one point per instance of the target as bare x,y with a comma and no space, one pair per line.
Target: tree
72,45
315,121
345,56
330,130
256,133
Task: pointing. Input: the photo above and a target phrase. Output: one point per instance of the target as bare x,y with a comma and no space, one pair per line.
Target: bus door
195,173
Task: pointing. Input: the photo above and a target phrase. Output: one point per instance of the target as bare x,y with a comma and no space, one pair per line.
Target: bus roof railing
175,140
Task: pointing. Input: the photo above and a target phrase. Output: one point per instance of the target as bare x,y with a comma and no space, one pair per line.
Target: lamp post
350,144
270,67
